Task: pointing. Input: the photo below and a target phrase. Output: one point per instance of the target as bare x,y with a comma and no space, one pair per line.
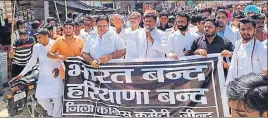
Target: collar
24,41
50,41
248,44
186,33
225,29
216,38
106,34
232,26
74,37
154,30
92,28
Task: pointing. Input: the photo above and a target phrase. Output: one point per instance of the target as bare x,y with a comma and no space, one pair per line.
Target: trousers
54,109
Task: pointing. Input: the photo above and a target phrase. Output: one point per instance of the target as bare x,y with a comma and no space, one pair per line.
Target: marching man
49,85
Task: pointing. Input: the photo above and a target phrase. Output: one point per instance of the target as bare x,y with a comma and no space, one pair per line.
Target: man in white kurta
250,55
180,43
153,41
131,35
98,47
103,46
48,86
182,40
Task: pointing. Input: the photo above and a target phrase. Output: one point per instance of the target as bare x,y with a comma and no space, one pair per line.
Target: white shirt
193,28
109,43
132,40
241,63
178,42
128,24
85,34
170,31
265,42
156,50
234,28
47,85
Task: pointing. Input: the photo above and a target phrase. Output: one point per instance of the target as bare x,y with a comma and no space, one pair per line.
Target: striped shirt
23,51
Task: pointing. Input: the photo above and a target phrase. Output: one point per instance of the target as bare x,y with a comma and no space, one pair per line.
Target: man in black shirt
210,42
163,21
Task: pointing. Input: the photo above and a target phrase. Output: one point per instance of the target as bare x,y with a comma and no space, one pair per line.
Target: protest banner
191,87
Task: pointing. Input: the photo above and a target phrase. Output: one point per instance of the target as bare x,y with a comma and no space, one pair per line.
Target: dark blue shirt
19,42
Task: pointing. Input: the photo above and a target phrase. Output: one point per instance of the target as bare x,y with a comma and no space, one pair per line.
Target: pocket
109,45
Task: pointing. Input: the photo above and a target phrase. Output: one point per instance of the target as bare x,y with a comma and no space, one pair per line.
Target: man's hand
201,52
106,58
225,65
11,53
149,36
56,72
62,57
19,77
226,53
95,64
174,56
186,53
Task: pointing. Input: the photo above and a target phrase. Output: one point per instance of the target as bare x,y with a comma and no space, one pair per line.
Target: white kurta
241,63
178,42
132,40
265,42
193,28
170,31
156,50
47,85
85,34
109,43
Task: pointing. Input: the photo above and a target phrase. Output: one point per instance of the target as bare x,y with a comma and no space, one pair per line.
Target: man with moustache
68,45
225,30
21,52
250,55
261,34
198,22
210,42
49,85
153,41
77,28
181,41
207,12
163,21
131,35
88,27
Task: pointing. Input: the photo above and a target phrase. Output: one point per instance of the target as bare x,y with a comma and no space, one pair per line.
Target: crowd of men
239,34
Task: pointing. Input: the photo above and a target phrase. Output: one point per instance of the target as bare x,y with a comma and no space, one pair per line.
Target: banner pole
65,3
12,25
57,12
